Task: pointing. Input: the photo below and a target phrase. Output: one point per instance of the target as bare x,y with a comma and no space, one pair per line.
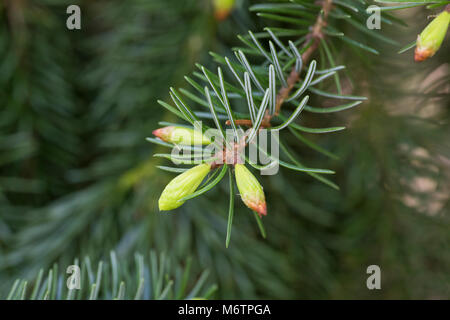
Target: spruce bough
274,94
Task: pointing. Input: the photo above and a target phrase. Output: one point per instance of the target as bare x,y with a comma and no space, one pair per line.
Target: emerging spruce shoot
181,136
251,191
430,40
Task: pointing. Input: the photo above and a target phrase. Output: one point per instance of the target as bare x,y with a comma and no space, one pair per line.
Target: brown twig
313,39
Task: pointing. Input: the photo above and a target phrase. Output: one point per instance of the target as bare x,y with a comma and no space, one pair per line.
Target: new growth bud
183,185
430,40
181,135
251,191
222,8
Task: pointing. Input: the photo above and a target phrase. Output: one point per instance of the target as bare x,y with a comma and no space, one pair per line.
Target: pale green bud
430,40
182,136
251,191
181,186
222,8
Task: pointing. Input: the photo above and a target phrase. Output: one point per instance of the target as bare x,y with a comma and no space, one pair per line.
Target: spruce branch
37,228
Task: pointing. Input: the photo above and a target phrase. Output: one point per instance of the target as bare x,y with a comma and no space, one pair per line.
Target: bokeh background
77,178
